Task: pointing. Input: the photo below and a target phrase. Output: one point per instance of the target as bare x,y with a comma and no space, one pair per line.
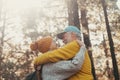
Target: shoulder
71,44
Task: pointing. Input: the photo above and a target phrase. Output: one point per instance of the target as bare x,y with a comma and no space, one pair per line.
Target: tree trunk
73,19
85,28
73,16
111,44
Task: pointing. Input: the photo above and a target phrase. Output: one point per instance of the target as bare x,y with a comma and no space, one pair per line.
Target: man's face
67,37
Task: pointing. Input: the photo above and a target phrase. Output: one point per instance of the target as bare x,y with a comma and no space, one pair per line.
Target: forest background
24,21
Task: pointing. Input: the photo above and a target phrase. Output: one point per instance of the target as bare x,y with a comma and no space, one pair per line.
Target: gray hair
78,35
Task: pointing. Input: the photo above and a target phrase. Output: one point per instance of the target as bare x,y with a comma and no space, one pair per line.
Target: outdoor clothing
65,53
60,70
32,76
63,69
85,72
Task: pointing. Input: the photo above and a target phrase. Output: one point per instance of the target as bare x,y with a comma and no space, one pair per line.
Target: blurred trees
19,28
111,44
86,19
29,21
73,13
86,33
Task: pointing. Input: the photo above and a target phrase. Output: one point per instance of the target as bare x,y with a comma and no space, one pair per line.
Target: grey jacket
63,69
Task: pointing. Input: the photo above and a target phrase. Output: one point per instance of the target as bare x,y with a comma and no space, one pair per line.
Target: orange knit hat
42,45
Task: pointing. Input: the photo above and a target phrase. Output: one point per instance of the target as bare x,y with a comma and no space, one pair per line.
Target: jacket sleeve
66,52
65,69
70,67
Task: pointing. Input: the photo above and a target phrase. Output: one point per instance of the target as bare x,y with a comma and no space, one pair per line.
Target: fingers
37,67
80,43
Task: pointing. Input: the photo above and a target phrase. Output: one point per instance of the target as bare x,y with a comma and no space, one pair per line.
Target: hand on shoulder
80,43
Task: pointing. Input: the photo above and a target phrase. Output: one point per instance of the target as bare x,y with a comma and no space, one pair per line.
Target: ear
73,34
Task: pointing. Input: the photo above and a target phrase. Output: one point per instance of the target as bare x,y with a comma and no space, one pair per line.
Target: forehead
67,33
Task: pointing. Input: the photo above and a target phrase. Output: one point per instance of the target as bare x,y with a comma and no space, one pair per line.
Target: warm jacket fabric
65,53
63,69
85,72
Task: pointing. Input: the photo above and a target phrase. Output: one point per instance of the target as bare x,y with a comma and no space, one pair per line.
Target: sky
14,6
26,4
20,4
23,4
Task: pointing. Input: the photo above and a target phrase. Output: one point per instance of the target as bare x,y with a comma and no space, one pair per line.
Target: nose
64,40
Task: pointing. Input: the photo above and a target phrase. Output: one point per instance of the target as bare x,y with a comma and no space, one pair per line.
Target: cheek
66,37
69,39
53,47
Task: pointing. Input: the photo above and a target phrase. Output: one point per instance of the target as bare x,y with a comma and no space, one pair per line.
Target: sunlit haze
22,4
14,8
118,3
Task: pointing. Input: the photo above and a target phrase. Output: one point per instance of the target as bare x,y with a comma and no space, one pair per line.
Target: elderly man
81,64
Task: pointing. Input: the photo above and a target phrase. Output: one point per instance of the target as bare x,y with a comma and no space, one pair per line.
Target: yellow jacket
65,53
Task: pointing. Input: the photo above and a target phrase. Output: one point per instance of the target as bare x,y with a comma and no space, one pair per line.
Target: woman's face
53,45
